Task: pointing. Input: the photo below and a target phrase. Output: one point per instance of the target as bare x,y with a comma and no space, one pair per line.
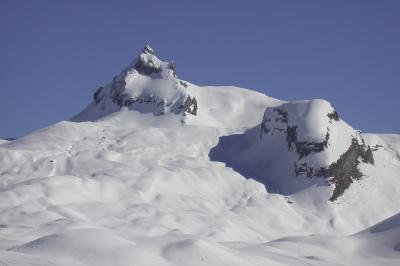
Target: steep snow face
308,139
148,85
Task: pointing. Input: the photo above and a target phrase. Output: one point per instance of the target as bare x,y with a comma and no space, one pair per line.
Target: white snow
127,187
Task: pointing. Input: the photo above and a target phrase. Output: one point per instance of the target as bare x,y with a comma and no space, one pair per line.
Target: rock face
147,63
148,85
345,169
307,127
301,140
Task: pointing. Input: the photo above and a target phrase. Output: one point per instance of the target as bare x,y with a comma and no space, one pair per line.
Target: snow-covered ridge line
136,179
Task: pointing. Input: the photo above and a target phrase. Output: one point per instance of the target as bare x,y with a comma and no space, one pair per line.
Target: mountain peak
148,50
147,63
148,85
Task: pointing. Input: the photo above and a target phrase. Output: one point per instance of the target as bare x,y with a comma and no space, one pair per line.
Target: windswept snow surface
129,187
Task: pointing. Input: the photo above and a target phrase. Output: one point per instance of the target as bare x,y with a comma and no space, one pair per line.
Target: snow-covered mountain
308,140
159,171
148,85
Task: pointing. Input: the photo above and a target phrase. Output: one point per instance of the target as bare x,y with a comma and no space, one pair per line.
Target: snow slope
133,185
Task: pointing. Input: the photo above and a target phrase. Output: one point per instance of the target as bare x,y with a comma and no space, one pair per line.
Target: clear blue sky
54,54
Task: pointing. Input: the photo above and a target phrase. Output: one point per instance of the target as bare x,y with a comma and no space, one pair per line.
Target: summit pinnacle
147,49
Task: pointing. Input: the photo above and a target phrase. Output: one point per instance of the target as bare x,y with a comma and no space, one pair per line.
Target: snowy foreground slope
158,171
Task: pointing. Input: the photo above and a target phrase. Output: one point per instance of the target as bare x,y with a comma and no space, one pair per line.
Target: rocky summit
147,85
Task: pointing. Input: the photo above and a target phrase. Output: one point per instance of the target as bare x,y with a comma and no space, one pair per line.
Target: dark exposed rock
303,148
154,100
305,169
367,156
344,170
145,69
98,96
190,106
283,115
291,136
171,65
333,116
117,94
264,129
340,186
184,84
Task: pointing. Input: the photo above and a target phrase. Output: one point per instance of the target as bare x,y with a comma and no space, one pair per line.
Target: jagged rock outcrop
307,129
345,169
190,106
147,63
298,144
148,85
